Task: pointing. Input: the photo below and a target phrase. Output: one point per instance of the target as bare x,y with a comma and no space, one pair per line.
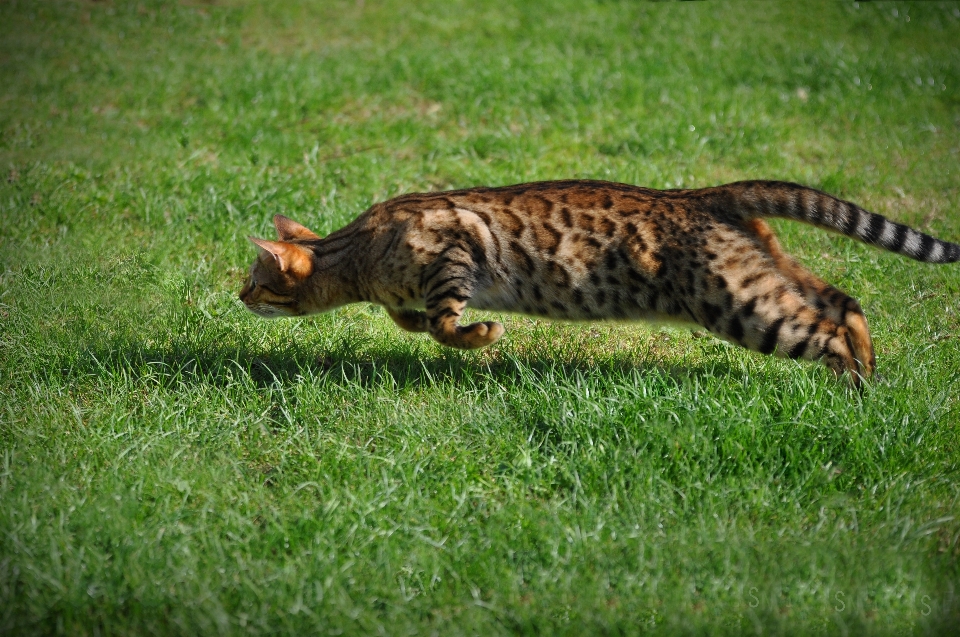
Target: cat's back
547,209
534,198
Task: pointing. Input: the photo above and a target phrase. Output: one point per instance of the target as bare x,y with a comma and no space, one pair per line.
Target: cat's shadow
348,365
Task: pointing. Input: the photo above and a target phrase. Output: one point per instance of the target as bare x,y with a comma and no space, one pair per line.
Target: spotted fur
589,250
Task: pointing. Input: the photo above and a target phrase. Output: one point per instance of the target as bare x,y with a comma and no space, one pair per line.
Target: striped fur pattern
589,250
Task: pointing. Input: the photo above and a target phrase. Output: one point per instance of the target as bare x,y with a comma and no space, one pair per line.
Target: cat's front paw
494,331
471,336
410,320
480,334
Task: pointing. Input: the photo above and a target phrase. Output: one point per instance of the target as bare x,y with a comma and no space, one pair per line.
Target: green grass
170,464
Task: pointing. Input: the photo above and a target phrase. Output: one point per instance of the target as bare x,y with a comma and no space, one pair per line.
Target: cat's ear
289,257
288,229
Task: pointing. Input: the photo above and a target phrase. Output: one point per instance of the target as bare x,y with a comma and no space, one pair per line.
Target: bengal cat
589,250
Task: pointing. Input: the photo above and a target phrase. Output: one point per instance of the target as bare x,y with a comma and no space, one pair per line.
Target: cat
587,250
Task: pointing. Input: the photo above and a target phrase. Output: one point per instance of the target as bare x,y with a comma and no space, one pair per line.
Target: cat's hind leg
449,284
768,314
834,303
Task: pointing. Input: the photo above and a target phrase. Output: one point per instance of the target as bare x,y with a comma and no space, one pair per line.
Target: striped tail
783,199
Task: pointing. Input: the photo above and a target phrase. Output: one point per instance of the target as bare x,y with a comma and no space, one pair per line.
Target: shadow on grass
354,364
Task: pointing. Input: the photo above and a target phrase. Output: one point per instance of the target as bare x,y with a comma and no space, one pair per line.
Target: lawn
171,464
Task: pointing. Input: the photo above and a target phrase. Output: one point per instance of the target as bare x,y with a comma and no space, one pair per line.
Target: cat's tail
749,199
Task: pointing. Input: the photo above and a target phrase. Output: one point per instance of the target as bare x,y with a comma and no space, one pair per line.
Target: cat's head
278,284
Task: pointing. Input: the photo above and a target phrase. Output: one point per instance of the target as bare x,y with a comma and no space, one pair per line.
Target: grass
170,464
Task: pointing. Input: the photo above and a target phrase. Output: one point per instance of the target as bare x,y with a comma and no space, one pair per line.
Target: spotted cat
589,250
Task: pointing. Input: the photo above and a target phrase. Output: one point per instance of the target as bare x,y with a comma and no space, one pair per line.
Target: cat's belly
496,298
567,306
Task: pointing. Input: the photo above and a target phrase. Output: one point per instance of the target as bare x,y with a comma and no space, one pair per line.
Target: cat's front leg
450,284
409,320
444,328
